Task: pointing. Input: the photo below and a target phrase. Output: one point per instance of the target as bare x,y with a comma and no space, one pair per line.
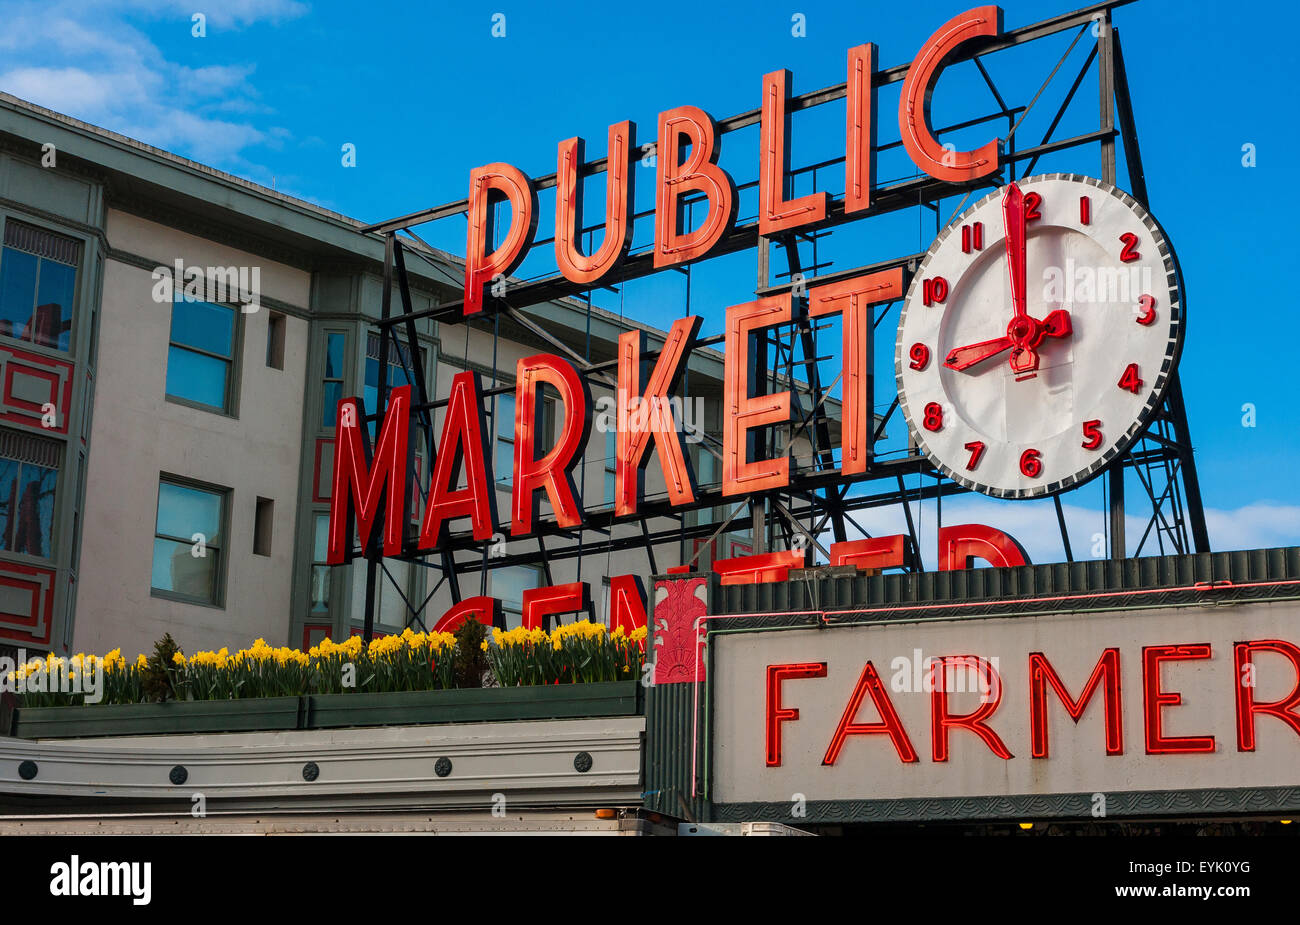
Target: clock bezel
1156,397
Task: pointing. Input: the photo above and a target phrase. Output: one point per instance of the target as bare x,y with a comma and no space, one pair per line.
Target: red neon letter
486,610
700,174
776,213
741,413
941,719
554,471
1246,705
626,603
852,298
890,724
764,567
652,417
876,552
1154,699
618,207
1042,674
386,473
777,714
540,603
463,444
485,185
860,130
914,103
960,544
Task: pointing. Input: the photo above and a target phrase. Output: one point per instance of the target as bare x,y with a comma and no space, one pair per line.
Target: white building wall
137,434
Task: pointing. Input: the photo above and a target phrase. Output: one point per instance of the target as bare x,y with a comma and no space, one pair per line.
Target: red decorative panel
678,643
26,603
29,381
313,633
322,480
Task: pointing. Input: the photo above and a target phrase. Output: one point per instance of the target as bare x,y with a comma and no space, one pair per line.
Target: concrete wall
138,434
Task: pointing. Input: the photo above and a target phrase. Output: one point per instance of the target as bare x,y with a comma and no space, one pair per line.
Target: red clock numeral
972,237
920,355
1085,210
1031,463
1145,309
933,419
1091,435
1130,251
1130,380
976,451
935,290
1032,203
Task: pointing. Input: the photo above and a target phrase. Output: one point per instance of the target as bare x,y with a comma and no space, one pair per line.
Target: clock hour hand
960,358
1024,356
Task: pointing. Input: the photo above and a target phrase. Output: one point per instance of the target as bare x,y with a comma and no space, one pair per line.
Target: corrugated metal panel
1001,586
668,751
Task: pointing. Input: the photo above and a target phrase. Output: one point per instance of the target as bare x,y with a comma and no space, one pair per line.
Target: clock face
1038,336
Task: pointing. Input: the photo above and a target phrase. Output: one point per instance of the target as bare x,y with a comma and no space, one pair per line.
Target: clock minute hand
961,358
1013,219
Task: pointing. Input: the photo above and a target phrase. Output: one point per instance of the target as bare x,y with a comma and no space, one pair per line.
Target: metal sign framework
818,497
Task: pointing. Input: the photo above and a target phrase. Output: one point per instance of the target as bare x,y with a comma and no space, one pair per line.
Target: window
397,374
275,340
200,358
29,474
189,541
509,585
392,591
38,282
262,527
503,459
335,345
611,454
552,418
320,571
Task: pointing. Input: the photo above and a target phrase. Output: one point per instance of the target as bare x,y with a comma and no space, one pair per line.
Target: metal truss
819,499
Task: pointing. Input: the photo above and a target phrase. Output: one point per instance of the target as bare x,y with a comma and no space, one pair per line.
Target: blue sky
275,88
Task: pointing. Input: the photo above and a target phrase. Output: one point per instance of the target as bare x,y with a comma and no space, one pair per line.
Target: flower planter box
332,711
548,701
122,719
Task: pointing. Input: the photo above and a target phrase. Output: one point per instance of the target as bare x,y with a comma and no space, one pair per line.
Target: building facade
174,342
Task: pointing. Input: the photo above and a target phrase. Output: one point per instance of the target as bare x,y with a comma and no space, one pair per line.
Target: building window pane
183,564
504,458
320,572
397,374
391,613
508,586
611,456
38,283
201,356
29,475
335,345
197,378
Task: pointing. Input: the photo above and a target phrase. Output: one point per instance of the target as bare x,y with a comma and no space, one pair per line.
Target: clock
1038,336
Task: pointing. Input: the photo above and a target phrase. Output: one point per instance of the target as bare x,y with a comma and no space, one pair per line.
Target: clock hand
960,358
1024,357
1013,218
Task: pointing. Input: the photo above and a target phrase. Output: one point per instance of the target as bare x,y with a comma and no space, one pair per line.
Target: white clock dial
1023,398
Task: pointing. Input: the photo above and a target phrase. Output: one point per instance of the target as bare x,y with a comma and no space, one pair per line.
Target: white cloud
85,58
